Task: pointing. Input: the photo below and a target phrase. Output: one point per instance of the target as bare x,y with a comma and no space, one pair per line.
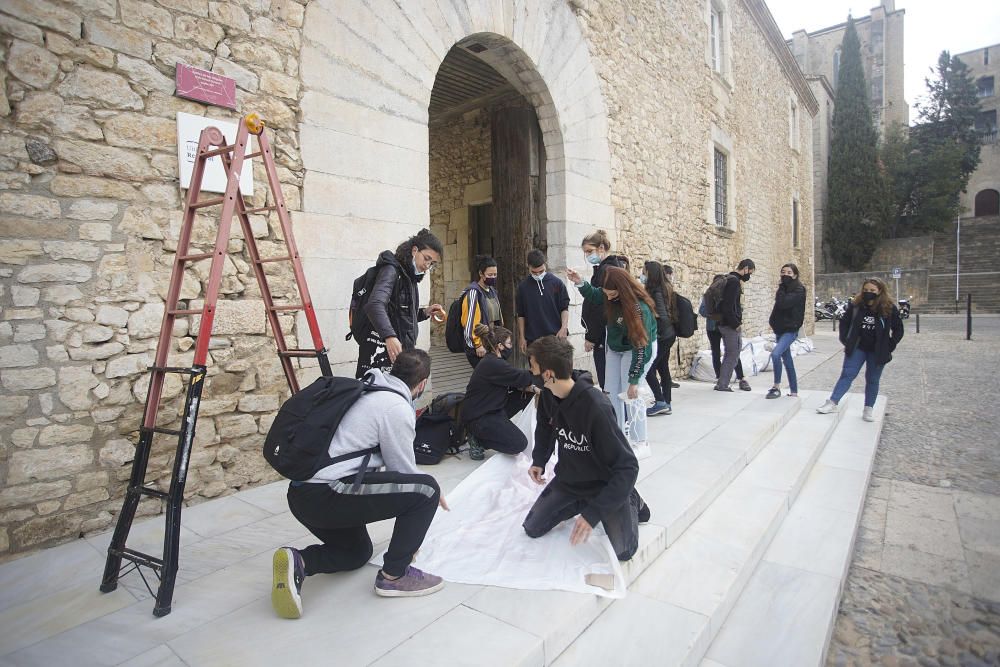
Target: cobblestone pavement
924,583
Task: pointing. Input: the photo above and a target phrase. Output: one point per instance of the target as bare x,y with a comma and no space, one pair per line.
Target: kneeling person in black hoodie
596,472
489,396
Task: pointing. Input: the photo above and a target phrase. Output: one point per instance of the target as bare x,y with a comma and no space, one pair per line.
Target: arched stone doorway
368,71
987,202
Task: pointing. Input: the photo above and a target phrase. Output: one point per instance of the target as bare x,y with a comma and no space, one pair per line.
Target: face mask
785,280
506,352
420,393
593,259
490,282
642,279
538,381
416,272
869,297
538,276
745,277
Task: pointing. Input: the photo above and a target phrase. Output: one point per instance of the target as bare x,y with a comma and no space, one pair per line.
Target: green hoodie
618,334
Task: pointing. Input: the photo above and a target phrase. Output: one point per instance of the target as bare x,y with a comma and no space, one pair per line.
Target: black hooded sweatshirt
393,308
594,315
595,459
789,309
487,390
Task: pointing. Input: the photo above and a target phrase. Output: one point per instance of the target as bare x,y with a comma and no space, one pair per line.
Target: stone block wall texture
90,209
915,252
629,109
912,284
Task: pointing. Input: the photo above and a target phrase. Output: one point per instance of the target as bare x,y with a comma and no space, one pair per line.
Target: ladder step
174,369
274,259
298,353
260,209
215,201
250,156
297,306
195,258
155,493
164,431
219,151
137,557
186,312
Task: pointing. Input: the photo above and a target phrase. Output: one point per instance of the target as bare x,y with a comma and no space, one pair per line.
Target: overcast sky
930,27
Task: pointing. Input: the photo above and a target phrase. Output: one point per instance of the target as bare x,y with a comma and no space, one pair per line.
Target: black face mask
869,297
787,280
745,277
538,381
505,352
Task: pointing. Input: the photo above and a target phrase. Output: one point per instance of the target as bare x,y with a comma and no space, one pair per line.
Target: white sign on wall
189,129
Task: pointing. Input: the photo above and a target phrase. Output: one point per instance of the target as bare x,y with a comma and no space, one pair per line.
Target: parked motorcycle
833,309
904,307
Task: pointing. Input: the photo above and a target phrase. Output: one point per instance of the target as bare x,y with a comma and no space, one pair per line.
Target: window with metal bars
721,183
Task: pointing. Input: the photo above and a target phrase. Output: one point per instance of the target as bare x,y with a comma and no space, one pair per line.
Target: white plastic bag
635,421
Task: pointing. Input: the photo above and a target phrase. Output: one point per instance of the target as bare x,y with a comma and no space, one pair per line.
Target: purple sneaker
413,583
289,573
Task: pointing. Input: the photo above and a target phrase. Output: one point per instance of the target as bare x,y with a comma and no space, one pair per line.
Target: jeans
338,516
734,345
662,389
852,366
556,504
715,340
782,352
616,382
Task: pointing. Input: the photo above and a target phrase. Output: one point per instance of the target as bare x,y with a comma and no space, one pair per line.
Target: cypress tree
856,195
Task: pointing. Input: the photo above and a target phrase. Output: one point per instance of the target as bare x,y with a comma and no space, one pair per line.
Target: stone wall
907,253
89,216
912,284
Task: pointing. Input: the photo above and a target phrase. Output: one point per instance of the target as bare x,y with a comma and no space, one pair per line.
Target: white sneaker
868,414
827,407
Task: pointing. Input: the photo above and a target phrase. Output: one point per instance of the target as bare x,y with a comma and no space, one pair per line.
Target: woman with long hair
393,307
494,386
630,333
786,319
597,252
665,303
870,330
480,305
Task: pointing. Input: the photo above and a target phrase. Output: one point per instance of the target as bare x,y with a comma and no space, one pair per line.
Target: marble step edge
810,625
713,620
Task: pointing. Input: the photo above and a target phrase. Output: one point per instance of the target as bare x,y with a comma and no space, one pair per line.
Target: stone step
787,611
680,602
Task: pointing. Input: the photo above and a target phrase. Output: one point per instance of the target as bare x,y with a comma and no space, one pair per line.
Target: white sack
755,356
481,541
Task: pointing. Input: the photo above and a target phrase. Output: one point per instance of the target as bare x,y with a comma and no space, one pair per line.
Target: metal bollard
917,315
834,323
968,316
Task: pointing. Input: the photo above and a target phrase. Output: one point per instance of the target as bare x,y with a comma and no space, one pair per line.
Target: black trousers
338,516
556,504
600,362
715,340
473,358
662,389
495,431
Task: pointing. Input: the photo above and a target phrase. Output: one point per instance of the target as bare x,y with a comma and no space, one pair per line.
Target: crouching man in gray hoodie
336,509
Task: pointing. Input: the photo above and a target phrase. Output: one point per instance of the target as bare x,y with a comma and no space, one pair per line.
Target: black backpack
298,443
439,429
685,322
712,299
357,319
454,334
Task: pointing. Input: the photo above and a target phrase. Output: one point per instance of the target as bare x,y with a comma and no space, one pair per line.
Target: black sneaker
773,392
644,513
475,450
744,385
675,385
729,389
289,573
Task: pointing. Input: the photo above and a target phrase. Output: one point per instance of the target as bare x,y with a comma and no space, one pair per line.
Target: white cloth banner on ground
755,355
481,541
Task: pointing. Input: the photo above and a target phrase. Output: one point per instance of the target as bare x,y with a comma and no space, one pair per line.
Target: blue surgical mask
538,276
642,279
593,259
415,271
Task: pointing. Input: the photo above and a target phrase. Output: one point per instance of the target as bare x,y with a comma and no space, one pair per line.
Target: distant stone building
818,54
982,195
683,128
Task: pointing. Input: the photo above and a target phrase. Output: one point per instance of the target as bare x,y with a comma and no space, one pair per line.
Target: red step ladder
211,143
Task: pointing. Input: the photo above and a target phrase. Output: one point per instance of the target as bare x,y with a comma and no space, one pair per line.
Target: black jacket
487,389
394,305
664,322
731,308
594,320
888,331
595,460
789,309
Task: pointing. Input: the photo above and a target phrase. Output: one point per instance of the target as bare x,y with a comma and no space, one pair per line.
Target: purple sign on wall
204,86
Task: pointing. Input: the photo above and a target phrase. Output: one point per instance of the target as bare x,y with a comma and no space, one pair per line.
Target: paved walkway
924,585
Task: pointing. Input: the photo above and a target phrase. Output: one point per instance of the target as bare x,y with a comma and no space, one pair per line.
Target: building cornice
765,21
